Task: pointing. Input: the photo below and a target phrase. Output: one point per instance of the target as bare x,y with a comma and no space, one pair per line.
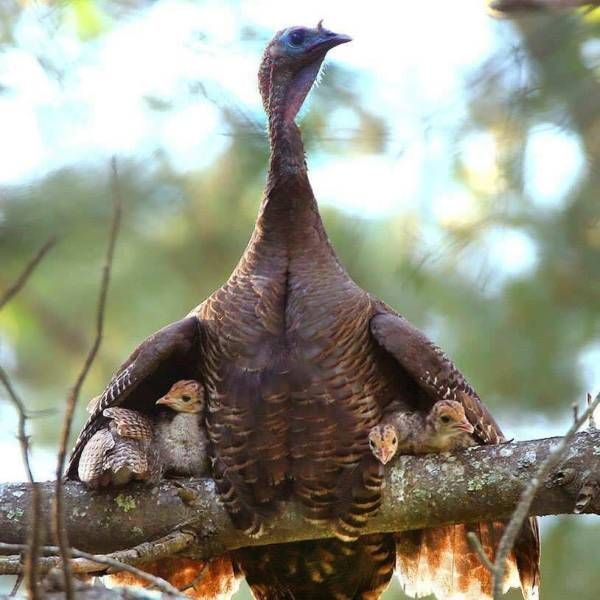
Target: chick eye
185,398
445,419
296,38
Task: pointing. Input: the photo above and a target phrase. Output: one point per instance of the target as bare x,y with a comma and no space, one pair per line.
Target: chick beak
166,399
465,426
385,456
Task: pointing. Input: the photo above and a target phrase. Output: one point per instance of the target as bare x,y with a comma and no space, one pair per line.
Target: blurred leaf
90,20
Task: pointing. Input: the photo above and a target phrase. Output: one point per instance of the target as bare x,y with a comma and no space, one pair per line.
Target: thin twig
592,419
145,552
157,582
478,548
35,506
22,426
196,579
17,585
522,510
27,271
60,530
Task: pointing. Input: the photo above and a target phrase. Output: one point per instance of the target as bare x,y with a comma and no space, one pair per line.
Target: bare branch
31,556
476,545
26,273
194,582
523,507
591,419
156,582
480,484
60,530
142,553
22,426
17,585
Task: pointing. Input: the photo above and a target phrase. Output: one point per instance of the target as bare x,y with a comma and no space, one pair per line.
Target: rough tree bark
480,483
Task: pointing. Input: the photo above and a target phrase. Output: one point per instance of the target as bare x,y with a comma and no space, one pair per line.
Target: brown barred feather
320,570
130,423
121,452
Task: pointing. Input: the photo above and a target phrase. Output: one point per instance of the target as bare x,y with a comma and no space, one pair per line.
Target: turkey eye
445,419
371,443
394,440
296,38
185,398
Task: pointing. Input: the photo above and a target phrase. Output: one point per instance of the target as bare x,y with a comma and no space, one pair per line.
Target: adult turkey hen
299,364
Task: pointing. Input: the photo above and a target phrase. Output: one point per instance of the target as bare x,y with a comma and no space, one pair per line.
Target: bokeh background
455,155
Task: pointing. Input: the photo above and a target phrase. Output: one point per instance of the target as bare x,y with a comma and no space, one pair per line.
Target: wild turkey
295,365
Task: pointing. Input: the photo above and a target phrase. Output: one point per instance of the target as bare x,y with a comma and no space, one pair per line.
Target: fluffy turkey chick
120,452
444,428
180,432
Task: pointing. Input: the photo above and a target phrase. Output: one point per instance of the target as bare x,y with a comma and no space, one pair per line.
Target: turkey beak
386,456
166,399
327,40
465,426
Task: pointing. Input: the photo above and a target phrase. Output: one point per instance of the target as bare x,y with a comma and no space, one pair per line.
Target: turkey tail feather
527,556
440,561
215,580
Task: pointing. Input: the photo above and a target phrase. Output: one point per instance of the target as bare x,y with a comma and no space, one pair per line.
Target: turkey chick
120,452
180,432
444,428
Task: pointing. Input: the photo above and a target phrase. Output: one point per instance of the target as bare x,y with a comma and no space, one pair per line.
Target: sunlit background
456,158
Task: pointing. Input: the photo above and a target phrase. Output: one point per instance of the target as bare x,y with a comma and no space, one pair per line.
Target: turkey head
290,65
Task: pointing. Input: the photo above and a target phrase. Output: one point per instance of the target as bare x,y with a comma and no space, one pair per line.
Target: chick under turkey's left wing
170,354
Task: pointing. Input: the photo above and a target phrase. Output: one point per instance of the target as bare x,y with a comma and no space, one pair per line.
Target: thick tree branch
479,484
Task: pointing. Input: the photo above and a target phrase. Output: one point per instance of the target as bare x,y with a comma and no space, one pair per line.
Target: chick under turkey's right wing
435,373
440,560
